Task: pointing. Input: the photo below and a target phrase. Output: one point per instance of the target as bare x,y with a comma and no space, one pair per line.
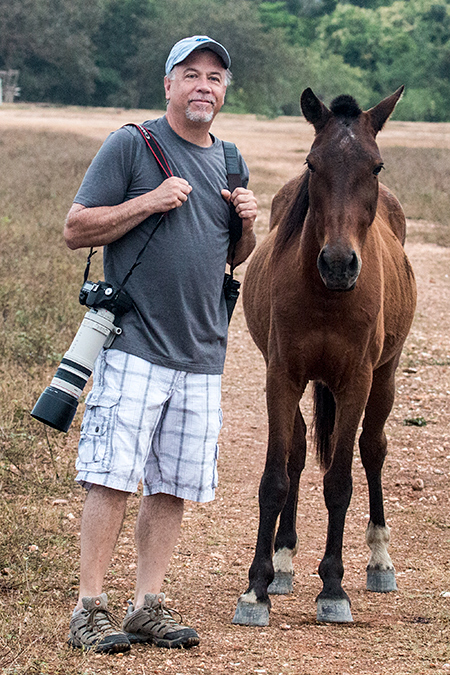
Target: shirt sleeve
107,179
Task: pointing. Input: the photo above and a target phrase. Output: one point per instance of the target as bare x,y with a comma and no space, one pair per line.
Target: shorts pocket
95,449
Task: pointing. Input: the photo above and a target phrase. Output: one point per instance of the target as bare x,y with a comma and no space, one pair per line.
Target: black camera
102,295
231,291
58,403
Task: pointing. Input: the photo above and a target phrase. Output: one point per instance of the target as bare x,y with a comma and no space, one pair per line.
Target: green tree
404,42
50,42
124,27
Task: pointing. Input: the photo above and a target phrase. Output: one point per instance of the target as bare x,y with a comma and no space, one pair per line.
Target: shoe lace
162,612
102,619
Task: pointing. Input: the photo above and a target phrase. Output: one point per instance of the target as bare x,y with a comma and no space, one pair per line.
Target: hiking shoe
153,622
94,627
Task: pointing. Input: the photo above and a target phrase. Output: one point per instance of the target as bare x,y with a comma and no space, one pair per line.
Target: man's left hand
244,201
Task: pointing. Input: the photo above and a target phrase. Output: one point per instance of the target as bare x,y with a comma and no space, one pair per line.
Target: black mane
294,218
345,106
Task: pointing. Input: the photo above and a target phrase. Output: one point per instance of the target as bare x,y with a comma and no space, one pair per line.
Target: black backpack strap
234,180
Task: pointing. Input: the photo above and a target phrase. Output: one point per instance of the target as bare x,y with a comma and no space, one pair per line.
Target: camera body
102,295
231,291
57,405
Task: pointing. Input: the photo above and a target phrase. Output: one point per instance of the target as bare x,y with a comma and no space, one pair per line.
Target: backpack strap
234,180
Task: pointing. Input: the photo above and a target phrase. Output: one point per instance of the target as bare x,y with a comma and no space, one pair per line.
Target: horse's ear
314,110
381,112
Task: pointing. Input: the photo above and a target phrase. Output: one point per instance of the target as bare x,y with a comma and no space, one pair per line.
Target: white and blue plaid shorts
147,422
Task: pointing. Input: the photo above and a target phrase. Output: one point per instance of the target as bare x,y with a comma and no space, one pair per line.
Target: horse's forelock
345,106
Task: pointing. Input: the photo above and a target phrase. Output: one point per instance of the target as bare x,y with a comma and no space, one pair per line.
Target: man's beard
199,115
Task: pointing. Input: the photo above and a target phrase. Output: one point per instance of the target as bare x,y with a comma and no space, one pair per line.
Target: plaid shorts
150,423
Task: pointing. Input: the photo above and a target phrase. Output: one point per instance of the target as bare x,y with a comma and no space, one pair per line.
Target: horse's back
390,209
283,199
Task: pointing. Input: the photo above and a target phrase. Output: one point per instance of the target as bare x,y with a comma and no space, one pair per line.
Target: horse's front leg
333,603
282,402
373,449
286,537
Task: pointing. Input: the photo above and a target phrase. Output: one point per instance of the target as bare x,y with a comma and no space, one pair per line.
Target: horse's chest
328,345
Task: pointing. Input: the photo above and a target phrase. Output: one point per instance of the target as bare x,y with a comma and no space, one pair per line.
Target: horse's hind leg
286,538
373,448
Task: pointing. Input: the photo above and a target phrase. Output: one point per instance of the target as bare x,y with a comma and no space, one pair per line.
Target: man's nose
204,84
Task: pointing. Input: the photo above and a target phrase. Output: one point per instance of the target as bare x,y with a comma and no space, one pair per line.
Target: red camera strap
155,149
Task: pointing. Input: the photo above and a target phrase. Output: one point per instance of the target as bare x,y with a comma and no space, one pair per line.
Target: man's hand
171,194
244,201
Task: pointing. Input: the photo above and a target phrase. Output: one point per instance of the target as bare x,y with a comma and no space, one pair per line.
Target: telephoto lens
57,405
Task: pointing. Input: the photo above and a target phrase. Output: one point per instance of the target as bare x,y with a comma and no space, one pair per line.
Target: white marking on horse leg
249,597
377,539
282,560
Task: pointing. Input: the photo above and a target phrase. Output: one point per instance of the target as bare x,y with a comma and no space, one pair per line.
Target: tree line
112,52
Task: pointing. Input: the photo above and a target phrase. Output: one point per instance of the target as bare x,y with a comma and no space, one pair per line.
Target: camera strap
167,172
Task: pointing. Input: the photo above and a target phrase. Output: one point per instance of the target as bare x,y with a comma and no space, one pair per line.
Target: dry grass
420,179
39,283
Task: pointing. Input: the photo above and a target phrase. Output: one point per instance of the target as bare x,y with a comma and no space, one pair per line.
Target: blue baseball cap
183,48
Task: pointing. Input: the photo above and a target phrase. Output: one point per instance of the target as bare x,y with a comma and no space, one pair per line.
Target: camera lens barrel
57,405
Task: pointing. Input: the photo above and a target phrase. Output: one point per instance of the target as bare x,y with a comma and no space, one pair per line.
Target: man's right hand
171,194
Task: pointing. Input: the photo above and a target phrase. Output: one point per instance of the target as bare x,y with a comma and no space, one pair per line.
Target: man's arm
244,202
101,225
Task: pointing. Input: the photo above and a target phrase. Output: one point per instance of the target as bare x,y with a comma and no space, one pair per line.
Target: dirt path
400,633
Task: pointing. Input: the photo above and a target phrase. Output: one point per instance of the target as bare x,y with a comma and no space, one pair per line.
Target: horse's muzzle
338,269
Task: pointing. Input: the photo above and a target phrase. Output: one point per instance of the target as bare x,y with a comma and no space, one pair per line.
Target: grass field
39,283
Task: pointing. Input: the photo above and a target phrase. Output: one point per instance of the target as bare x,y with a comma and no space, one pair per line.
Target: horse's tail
324,416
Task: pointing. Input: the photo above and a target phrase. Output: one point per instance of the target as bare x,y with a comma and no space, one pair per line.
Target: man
153,414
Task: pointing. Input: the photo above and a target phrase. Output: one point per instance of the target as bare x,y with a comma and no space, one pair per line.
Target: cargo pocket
215,476
95,450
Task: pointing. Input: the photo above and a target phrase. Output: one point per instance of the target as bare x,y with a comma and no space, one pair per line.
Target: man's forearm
101,225
244,247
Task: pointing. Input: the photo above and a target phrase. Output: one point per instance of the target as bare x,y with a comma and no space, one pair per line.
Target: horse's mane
295,215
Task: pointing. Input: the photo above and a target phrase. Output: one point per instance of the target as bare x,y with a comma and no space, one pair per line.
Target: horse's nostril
354,263
337,267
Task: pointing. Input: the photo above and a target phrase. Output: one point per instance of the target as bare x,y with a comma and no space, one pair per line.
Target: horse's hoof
381,581
336,611
251,614
282,584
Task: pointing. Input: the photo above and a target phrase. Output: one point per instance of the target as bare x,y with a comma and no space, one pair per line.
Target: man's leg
103,515
148,619
157,530
91,626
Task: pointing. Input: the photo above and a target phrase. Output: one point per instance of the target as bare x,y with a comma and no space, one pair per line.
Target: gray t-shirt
179,318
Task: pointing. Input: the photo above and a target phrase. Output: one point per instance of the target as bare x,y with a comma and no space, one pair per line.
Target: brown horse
329,297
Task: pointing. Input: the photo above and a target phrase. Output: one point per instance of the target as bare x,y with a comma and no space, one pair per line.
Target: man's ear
167,83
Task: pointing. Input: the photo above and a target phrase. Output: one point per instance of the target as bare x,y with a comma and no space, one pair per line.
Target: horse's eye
310,166
377,169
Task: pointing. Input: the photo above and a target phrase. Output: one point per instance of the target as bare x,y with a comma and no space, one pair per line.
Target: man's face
197,90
